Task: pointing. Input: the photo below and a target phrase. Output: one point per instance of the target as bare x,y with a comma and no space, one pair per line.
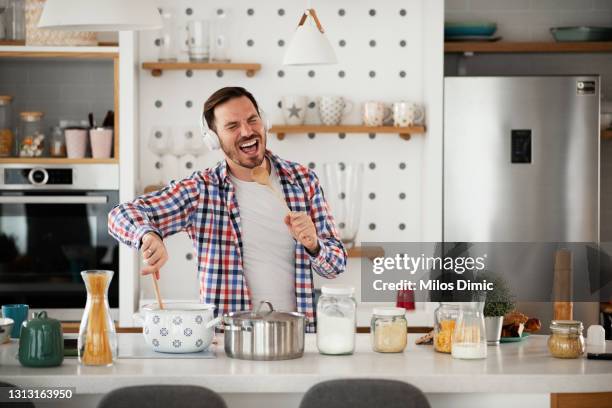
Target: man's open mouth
250,147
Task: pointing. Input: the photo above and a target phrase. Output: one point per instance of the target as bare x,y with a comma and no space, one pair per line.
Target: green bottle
42,342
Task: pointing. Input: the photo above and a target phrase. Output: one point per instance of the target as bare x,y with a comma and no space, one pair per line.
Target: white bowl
6,326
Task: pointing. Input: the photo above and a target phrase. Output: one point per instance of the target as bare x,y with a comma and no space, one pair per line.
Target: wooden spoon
261,176
157,293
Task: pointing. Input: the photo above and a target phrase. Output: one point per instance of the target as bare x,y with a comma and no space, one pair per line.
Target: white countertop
524,367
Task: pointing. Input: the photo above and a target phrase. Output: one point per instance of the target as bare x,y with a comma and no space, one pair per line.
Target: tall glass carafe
343,187
97,342
469,340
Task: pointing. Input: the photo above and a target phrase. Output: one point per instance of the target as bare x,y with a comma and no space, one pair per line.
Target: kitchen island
514,373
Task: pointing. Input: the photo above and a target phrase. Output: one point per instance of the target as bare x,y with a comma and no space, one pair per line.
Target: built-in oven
53,225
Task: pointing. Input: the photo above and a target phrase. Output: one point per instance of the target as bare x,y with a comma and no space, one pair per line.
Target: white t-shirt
268,249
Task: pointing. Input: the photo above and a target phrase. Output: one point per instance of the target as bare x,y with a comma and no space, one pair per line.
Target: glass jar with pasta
389,330
444,324
566,340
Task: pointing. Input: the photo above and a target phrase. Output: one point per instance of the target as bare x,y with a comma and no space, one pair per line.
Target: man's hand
303,229
154,254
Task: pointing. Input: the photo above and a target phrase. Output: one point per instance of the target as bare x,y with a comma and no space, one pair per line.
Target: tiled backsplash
36,85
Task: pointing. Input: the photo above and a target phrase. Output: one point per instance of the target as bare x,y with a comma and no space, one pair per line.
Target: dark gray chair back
22,404
364,393
162,396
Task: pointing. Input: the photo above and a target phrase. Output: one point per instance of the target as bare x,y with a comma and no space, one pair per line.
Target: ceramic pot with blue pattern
181,327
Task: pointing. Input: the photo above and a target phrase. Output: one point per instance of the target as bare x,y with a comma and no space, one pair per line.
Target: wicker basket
40,36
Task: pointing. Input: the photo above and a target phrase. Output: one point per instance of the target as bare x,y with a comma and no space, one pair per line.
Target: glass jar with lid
336,316
57,145
566,339
445,318
389,330
7,138
31,136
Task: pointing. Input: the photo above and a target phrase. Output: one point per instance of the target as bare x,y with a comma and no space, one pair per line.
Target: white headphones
211,139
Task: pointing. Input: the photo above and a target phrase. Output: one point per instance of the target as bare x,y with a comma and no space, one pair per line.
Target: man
249,247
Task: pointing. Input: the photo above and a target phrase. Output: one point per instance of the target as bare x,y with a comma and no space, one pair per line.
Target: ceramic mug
76,143
294,109
333,108
376,113
407,114
101,140
19,314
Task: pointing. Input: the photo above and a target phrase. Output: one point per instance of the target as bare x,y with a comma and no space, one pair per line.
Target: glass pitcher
343,186
97,343
469,339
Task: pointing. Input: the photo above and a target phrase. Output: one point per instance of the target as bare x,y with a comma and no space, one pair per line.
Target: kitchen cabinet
27,55
514,373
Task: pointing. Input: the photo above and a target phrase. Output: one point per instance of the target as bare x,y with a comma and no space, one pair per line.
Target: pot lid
179,307
31,116
264,312
337,290
566,326
389,311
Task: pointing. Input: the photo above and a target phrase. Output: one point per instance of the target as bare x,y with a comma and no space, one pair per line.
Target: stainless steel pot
264,335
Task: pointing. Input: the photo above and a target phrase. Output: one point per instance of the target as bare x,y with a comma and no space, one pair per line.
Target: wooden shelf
55,160
157,68
526,47
404,132
606,134
59,52
12,43
365,252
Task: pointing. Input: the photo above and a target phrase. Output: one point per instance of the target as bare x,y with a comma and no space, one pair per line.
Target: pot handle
261,304
138,318
214,322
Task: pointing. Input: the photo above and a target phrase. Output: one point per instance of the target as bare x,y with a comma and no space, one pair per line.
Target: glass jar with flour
336,315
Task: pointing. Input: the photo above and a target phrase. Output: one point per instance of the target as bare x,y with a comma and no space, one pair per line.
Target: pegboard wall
379,46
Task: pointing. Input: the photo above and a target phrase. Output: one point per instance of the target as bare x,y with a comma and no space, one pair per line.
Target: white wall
420,59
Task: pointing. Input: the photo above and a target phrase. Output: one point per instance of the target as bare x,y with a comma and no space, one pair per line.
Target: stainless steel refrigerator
521,164
521,159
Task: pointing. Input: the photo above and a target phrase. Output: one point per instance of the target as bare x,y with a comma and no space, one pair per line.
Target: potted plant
499,301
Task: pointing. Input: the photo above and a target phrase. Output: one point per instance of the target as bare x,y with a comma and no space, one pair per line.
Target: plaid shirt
204,205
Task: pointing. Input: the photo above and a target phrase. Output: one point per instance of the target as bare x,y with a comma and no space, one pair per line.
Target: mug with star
294,109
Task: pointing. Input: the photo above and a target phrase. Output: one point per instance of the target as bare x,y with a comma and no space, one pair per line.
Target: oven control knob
38,176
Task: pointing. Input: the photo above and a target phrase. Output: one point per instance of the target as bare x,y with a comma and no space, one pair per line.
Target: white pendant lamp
309,45
100,15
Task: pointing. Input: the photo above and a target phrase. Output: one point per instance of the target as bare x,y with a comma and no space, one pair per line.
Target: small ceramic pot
493,327
41,343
